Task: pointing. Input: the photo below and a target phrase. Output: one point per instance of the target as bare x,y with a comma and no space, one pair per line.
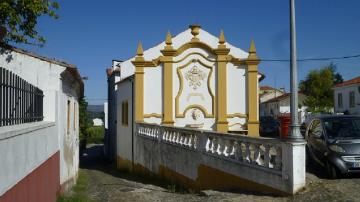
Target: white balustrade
261,152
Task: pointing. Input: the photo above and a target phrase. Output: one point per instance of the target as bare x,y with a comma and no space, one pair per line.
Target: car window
343,127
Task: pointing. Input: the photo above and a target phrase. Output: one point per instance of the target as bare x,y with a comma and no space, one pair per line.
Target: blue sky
90,34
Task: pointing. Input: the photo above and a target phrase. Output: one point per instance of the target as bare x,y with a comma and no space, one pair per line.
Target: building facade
267,93
193,80
347,97
39,158
188,110
279,106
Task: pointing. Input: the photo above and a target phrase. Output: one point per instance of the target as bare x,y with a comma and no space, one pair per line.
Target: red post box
285,122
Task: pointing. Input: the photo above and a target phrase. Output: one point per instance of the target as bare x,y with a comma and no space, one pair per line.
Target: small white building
280,105
176,104
267,93
98,122
39,157
347,96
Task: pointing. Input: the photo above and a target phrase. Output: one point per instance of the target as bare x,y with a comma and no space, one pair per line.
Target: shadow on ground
95,160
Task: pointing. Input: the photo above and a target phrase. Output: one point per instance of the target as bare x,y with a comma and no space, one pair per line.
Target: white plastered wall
124,132
47,139
236,92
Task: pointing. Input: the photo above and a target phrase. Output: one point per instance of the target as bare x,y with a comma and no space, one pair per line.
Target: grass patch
78,192
95,135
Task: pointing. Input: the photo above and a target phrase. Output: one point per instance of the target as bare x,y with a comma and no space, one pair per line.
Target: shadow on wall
4,51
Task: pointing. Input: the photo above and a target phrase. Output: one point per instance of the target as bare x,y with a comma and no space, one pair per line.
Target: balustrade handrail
262,140
265,153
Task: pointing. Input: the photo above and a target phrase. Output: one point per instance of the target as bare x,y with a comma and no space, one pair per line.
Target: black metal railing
20,102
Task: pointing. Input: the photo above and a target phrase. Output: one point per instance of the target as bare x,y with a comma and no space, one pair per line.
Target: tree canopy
19,19
318,88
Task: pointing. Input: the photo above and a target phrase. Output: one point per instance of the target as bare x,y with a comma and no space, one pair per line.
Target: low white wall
273,163
23,148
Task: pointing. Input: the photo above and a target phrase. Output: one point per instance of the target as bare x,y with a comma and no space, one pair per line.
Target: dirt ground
108,184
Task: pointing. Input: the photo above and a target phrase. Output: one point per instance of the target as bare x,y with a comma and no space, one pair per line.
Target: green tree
318,88
84,119
19,18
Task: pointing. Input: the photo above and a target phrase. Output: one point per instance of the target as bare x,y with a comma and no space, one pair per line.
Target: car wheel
332,171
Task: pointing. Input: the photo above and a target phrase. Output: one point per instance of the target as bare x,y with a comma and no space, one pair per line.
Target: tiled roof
267,88
348,82
281,97
275,99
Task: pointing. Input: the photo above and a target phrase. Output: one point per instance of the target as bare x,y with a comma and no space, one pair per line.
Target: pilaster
168,100
139,63
252,99
221,85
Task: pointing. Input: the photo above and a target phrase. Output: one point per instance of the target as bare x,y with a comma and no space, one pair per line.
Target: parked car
269,126
333,141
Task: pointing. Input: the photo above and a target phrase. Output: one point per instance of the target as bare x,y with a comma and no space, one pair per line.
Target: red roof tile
348,82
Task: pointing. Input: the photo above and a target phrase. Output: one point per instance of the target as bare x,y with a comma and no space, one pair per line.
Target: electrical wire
312,59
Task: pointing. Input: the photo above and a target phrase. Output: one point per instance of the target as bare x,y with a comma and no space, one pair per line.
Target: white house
113,76
281,106
176,104
39,132
266,93
347,96
98,122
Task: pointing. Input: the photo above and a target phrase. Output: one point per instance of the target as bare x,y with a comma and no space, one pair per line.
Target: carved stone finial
139,51
195,29
252,58
168,39
252,48
221,37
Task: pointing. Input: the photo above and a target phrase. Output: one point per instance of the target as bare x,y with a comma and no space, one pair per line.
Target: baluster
228,147
215,145
257,154
278,158
181,138
209,144
267,156
173,136
192,142
247,152
186,140
238,151
178,137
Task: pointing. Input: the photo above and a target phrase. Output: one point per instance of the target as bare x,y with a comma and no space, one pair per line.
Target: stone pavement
109,184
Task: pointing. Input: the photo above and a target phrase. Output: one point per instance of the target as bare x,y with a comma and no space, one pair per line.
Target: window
340,100
352,99
74,116
124,113
68,116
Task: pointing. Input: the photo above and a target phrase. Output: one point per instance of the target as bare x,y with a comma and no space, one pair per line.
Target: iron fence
20,102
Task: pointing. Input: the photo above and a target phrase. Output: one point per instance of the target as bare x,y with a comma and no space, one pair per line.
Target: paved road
108,184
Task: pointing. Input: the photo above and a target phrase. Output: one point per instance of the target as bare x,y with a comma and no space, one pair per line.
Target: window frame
125,113
340,100
68,116
352,99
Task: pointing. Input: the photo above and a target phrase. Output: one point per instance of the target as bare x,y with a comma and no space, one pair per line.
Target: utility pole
294,133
